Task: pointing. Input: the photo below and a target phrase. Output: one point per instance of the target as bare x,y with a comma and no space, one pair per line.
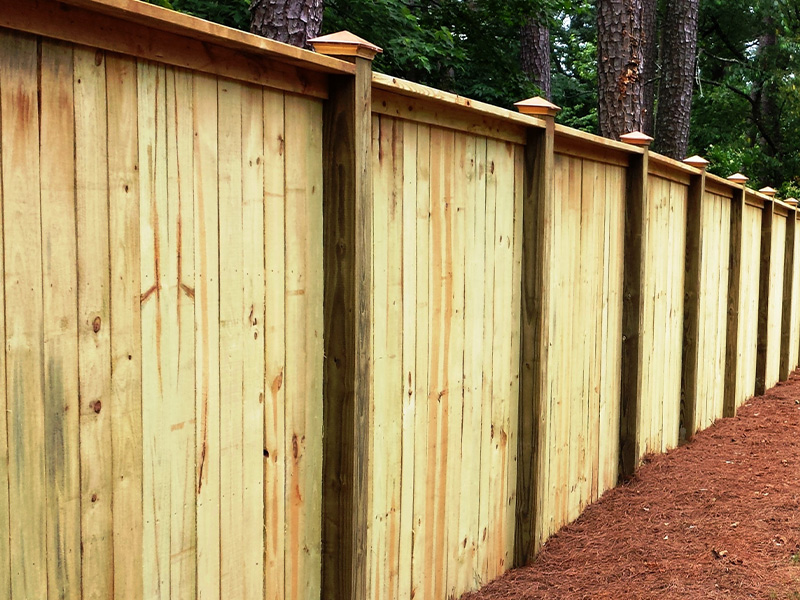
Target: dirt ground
716,518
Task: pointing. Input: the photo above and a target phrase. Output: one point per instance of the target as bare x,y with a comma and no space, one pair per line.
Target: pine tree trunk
678,56
290,21
535,53
767,113
649,68
619,66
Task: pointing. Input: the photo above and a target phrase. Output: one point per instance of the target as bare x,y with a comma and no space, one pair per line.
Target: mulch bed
716,518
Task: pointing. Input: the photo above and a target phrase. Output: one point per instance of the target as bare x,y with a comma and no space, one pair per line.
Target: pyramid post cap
697,161
344,43
739,178
636,138
768,191
791,201
537,106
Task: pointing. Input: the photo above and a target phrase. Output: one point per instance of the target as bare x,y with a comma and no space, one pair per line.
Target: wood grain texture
304,322
207,335
94,331
59,281
275,344
27,492
126,340
5,525
155,315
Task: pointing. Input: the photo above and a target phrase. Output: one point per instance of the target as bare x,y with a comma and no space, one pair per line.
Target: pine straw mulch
716,518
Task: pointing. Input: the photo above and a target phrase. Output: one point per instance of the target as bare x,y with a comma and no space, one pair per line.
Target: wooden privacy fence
279,327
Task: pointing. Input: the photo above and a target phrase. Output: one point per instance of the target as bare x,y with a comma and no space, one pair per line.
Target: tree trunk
678,56
535,53
619,66
766,109
290,21
649,68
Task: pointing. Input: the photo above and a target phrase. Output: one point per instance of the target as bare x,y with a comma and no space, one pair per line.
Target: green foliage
232,13
574,59
746,112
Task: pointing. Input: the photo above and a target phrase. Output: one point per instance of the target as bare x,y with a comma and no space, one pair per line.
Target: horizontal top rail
423,92
564,132
136,11
720,185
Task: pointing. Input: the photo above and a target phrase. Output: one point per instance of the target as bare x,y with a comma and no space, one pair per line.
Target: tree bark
650,66
535,53
678,56
620,31
290,21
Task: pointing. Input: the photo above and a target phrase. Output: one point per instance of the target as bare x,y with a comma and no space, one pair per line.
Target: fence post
734,297
788,281
692,289
347,387
763,297
537,269
633,279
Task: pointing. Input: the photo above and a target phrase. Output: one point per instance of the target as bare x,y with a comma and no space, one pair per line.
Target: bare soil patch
716,518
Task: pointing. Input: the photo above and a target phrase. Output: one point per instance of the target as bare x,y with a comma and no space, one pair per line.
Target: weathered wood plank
486,532
19,139
420,570
275,346
232,319
304,326
5,526
60,282
155,317
94,331
474,303
253,338
457,170
411,401
765,269
179,288
126,336
207,335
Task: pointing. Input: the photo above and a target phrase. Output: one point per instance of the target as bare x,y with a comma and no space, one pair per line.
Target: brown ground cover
716,518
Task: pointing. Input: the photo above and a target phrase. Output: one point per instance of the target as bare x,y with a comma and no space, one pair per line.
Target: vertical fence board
126,354
486,531
59,282
420,569
23,305
411,402
232,327
178,286
457,171
253,339
474,302
155,317
303,378
94,339
7,62
207,336
275,460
